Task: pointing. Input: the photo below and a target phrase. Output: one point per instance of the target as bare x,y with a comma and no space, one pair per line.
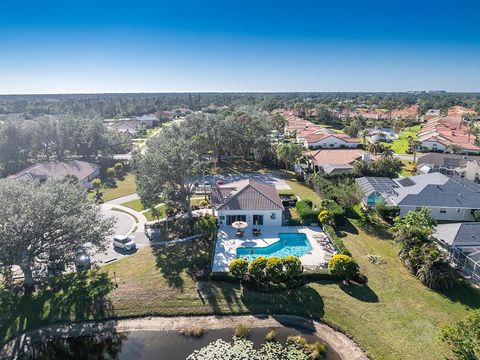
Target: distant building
430,114
129,127
84,171
452,199
439,133
147,120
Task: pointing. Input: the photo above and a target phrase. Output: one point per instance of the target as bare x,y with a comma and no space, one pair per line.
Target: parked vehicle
124,242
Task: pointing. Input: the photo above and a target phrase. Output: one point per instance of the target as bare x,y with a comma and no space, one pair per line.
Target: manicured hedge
336,241
337,210
306,213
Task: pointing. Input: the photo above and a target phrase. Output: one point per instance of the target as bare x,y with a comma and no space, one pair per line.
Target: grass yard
394,317
400,145
407,169
123,187
135,205
302,190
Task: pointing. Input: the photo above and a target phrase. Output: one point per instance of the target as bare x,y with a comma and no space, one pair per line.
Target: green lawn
400,145
123,187
393,317
302,190
134,204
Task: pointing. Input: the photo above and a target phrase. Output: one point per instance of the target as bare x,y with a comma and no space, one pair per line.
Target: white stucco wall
331,143
87,182
267,220
450,214
433,145
472,171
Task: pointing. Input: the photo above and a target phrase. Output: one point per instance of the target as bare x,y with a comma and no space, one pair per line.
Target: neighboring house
331,141
439,133
453,199
147,120
458,234
384,134
128,127
332,161
430,114
257,203
84,171
450,164
462,242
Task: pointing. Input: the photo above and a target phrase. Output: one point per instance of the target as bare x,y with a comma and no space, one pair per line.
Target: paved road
124,199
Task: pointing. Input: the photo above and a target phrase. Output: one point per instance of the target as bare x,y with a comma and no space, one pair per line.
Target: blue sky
187,46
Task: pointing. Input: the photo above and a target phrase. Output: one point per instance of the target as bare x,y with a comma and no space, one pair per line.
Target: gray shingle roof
246,195
43,170
459,234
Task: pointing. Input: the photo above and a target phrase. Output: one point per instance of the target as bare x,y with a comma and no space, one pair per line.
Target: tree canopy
46,223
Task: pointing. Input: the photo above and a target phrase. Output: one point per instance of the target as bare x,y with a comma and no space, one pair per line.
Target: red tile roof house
441,132
331,141
84,171
333,161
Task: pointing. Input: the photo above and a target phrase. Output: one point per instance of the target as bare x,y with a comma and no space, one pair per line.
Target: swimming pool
295,244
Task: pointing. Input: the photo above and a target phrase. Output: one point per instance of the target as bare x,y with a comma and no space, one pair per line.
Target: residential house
450,164
448,198
318,140
333,161
147,120
439,133
127,126
256,203
84,171
431,114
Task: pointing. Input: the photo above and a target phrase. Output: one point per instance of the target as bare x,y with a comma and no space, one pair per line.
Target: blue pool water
295,244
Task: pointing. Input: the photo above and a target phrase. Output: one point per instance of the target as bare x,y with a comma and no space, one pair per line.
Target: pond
155,345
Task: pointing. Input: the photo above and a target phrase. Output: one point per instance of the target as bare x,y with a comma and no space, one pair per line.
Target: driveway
124,225
273,178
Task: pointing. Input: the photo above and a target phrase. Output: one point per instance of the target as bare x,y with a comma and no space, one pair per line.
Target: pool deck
227,244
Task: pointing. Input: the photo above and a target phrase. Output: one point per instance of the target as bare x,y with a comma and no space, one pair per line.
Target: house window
257,219
232,218
443,211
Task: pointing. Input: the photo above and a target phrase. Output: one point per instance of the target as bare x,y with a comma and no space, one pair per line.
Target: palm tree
455,149
374,147
288,153
388,152
363,134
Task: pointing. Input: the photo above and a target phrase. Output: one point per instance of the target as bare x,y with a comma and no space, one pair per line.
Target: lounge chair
239,233
256,231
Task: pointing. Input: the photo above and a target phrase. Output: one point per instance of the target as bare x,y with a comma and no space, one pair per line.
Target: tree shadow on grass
463,292
175,260
71,297
346,228
360,292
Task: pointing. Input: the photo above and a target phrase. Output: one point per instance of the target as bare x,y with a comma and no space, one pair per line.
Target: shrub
325,217
194,331
203,203
257,269
270,336
305,211
274,270
293,267
239,268
335,209
388,212
297,339
241,331
343,266
337,242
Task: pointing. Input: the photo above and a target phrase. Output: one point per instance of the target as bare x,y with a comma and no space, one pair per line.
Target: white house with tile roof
255,202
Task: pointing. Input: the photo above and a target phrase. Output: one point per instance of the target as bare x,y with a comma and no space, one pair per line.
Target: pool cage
467,260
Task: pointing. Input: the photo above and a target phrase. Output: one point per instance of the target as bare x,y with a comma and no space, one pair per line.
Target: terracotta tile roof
336,156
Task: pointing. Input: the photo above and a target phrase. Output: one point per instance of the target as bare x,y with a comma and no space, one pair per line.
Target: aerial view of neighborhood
223,183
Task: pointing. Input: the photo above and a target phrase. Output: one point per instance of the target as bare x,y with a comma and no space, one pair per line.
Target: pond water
148,345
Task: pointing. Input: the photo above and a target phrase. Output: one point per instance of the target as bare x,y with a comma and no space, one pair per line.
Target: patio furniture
256,231
239,233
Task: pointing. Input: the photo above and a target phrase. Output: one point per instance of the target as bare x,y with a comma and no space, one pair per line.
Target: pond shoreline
339,342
